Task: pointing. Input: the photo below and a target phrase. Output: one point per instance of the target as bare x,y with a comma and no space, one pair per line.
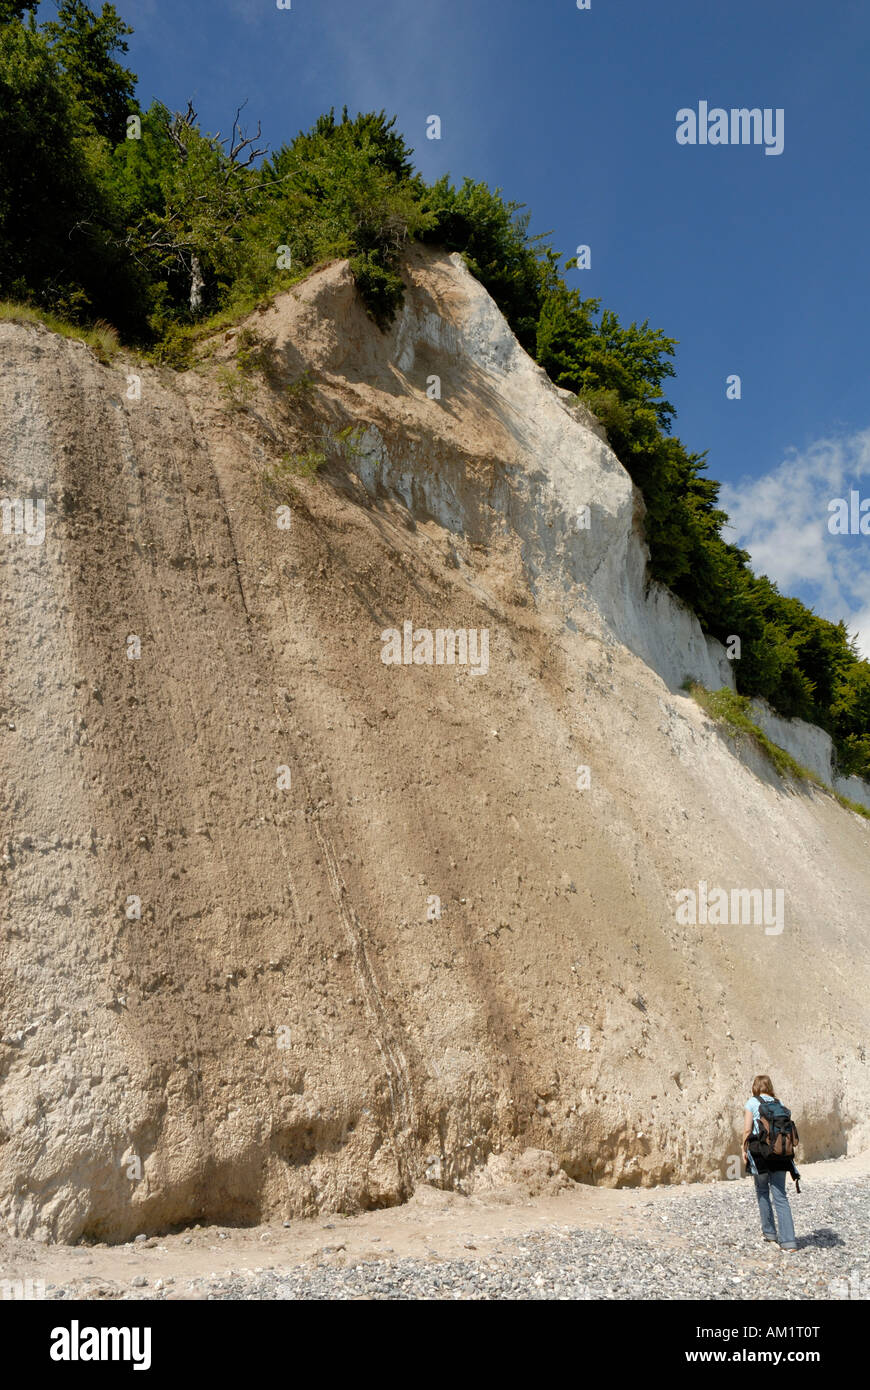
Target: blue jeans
765,1184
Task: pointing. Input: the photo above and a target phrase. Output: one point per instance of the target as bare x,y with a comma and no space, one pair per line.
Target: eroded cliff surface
384,934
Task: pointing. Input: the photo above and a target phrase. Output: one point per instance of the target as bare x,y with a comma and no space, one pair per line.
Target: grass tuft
279,477
100,337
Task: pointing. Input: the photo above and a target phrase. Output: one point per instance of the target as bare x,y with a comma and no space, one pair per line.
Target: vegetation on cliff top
139,218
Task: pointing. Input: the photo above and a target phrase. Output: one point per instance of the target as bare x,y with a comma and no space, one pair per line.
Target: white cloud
781,518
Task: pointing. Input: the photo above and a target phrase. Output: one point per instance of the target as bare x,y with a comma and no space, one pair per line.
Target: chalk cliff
286,929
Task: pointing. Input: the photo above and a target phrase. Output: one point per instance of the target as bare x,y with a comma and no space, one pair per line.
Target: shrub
382,290
235,386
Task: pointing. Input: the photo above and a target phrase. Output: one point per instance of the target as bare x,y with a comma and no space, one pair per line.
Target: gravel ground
706,1246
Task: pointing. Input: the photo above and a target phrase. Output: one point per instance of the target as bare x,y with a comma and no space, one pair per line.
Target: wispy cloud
417,60
782,517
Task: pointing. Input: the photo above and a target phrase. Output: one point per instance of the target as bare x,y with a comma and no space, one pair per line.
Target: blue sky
758,264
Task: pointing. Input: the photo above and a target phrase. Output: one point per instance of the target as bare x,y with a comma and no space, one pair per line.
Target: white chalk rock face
565,495
576,512
810,745
854,788
287,929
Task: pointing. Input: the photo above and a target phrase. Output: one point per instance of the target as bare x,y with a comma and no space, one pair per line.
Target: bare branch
241,144
179,127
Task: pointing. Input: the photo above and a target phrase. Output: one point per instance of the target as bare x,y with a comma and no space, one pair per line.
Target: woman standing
769,1177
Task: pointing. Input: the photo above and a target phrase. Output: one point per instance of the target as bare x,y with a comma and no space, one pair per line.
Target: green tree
195,194
58,225
344,188
84,43
46,187
16,9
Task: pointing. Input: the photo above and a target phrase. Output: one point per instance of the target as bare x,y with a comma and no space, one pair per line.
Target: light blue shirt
754,1104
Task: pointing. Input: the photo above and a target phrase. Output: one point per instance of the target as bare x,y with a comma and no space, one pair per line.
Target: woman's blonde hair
763,1086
